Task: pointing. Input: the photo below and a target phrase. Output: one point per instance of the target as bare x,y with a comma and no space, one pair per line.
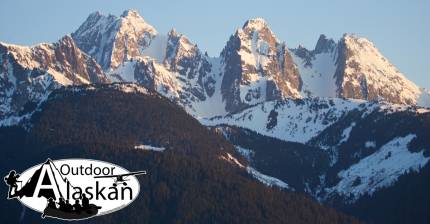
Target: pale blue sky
399,28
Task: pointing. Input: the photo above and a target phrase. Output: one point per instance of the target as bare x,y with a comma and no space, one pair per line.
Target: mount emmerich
254,67
324,112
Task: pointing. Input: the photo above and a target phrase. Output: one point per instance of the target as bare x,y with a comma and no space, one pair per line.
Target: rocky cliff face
257,67
368,75
354,68
254,67
186,59
252,86
133,51
27,74
113,40
180,72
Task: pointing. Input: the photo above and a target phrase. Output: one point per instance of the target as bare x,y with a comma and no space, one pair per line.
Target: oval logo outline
38,207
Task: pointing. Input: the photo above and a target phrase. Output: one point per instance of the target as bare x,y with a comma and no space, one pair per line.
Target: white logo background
84,181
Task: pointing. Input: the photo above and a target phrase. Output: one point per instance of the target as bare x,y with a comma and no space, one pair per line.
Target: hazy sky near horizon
400,29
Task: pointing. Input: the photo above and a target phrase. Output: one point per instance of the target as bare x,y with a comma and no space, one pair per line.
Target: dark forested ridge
187,183
404,201
280,159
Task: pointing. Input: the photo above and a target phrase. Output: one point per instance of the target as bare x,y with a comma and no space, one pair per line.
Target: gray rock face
186,59
324,45
180,70
184,74
257,67
230,87
354,68
254,67
113,40
364,73
28,74
289,80
306,55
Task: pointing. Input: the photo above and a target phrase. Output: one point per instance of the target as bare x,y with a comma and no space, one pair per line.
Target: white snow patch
370,144
157,48
423,110
247,153
267,180
424,98
82,79
150,148
213,105
123,73
232,159
346,133
380,169
296,120
318,78
59,77
131,88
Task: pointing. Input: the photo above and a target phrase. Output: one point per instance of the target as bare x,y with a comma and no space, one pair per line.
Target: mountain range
338,123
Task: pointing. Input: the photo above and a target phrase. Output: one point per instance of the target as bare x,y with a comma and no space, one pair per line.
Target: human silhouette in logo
62,204
12,180
77,207
62,208
28,189
68,207
51,203
85,202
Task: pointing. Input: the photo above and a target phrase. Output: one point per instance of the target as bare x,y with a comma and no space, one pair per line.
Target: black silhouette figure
62,204
68,207
29,187
65,210
51,203
85,202
12,180
77,207
61,209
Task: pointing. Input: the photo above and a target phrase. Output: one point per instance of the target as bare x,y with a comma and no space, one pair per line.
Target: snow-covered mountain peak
367,74
257,67
257,29
353,68
112,40
356,43
67,40
131,13
62,58
173,32
131,20
179,46
175,67
354,38
27,74
255,24
95,16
